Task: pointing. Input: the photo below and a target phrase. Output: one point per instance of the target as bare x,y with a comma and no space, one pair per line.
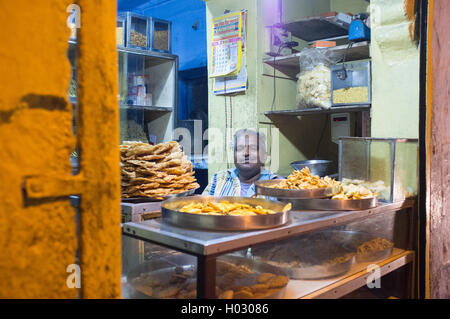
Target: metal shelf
354,279
314,111
317,28
290,64
146,108
135,107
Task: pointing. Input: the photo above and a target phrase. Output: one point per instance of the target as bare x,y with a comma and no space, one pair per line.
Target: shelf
135,107
290,64
314,111
317,28
146,108
354,279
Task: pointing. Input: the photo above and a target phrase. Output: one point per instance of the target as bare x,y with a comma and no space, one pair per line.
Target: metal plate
163,269
333,204
313,252
264,188
170,214
157,198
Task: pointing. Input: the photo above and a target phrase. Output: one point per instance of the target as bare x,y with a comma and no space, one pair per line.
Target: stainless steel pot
316,167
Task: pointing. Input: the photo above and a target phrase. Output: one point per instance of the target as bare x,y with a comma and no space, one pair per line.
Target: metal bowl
312,256
266,188
316,167
172,215
332,204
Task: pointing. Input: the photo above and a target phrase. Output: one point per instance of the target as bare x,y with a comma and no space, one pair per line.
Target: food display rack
208,245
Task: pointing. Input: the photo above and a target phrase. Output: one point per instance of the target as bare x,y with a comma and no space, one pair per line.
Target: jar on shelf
137,31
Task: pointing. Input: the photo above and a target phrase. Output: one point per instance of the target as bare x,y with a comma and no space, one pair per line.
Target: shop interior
333,85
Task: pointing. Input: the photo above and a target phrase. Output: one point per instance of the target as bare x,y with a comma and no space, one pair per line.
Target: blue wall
189,44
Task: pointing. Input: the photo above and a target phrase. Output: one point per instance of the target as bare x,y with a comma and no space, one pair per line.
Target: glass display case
318,254
148,91
388,166
351,83
147,95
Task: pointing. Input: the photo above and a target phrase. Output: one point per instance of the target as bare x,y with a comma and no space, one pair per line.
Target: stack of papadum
155,170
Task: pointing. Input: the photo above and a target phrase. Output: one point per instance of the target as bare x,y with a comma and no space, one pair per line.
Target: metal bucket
316,167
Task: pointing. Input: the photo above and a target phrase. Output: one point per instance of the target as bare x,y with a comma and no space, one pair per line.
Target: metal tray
333,204
314,251
170,214
263,188
163,269
157,198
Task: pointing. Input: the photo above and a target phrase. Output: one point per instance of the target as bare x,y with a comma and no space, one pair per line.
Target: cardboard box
323,44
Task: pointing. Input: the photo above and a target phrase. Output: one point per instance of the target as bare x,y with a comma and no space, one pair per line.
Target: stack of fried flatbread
155,170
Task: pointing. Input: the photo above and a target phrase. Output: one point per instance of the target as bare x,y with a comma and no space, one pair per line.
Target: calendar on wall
226,45
228,67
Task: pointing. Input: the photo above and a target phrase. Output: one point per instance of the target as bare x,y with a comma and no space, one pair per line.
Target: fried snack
305,180
278,281
243,294
233,281
228,294
260,288
155,170
265,276
374,245
352,191
168,292
225,208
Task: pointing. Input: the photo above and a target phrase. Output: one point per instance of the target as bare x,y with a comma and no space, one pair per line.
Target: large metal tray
308,256
333,204
163,269
264,188
170,214
136,200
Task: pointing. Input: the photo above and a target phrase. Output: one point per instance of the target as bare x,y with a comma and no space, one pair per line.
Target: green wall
393,114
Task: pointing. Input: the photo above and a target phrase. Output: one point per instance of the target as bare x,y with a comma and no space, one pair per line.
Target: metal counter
207,245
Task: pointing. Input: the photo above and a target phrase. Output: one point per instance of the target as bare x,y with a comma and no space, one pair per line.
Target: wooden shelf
340,286
314,111
290,64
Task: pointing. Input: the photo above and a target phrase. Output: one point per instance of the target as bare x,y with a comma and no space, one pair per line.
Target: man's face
248,157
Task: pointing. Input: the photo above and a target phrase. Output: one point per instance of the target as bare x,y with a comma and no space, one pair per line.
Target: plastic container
121,31
388,166
138,31
161,35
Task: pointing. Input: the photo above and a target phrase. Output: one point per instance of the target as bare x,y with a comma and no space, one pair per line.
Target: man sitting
249,158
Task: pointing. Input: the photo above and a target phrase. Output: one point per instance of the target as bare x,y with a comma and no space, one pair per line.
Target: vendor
249,158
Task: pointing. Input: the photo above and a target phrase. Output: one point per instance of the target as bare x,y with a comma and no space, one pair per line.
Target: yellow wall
395,72
38,234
